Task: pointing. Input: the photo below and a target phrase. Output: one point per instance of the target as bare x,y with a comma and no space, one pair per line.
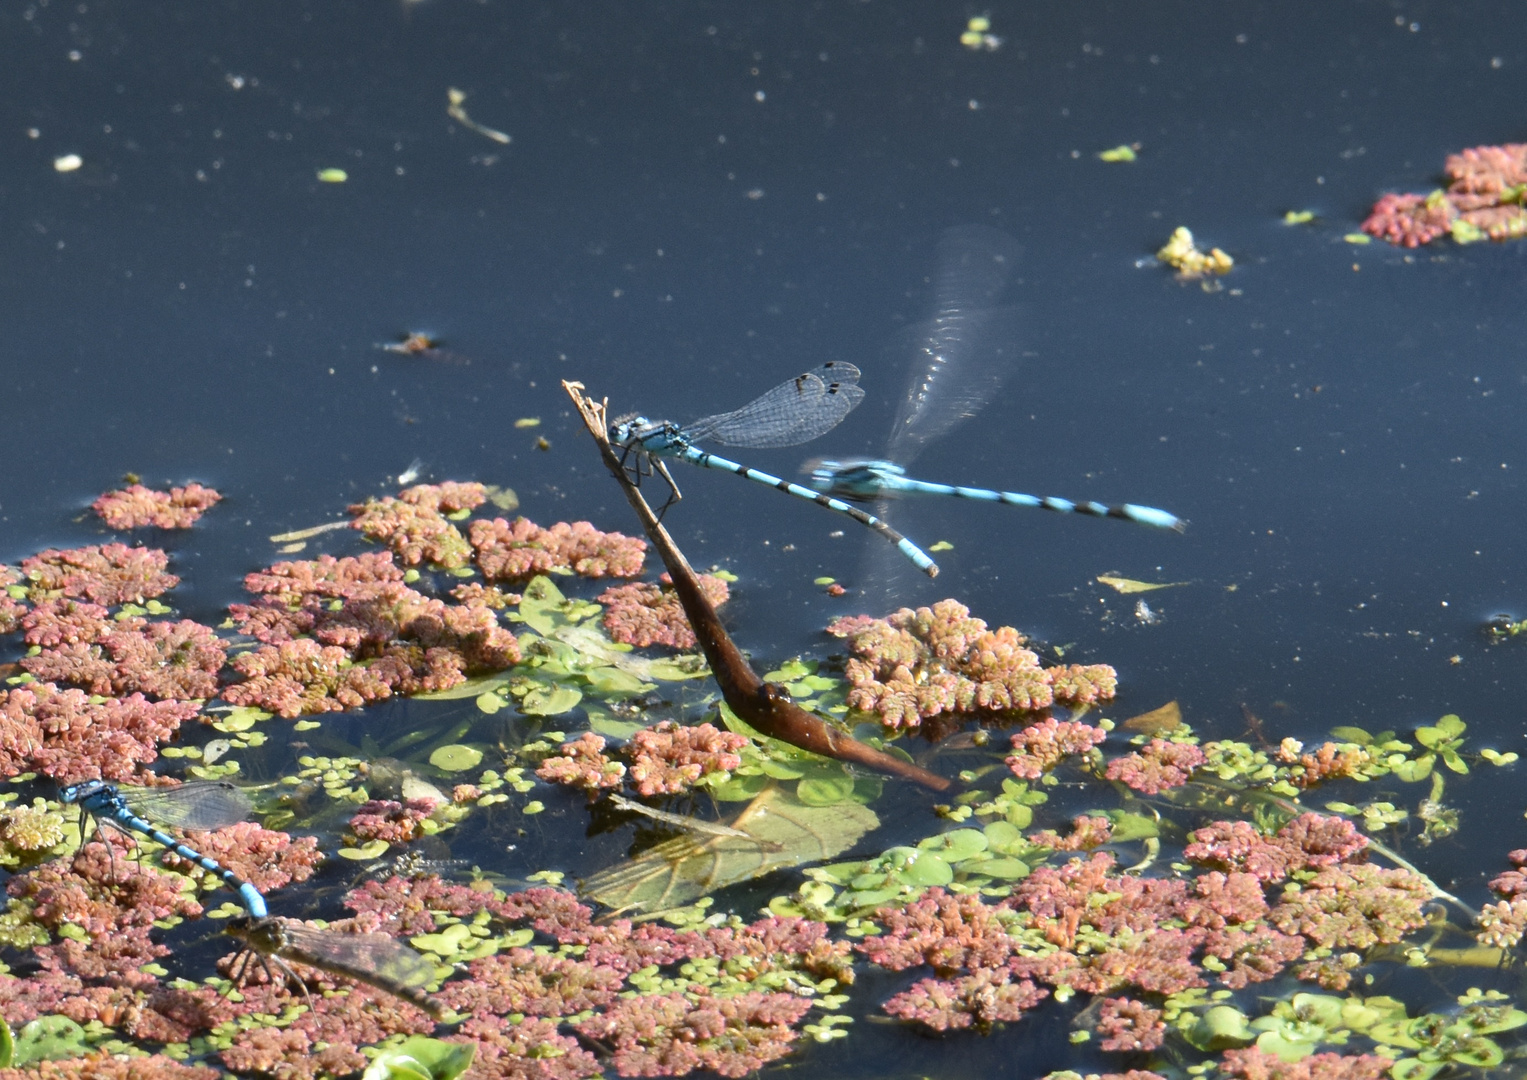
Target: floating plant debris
1483,201
137,506
1183,255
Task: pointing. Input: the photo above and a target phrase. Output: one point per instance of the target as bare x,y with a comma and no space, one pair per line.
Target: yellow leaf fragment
1130,585
1298,217
333,176
1119,153
308,534
1157,721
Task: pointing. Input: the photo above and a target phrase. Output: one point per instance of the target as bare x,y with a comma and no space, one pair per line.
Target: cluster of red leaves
582,763
68,735
414,524
644,614
916,665
1041,746
1309,841
513,551
136,506
1128,1025
580,980
1086,834
80,644
1161,765
394,822
125,662
103,574
1328,761
1087,927
342,632
105,1066
666,759
1485,190
1254,1063
1502,924
12,608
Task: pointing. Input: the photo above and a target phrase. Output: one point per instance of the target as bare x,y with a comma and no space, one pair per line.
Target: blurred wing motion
961,356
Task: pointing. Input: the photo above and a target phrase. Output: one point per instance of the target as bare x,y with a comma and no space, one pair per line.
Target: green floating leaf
1478,1051
490,703
373,850
1222,1028
678,668
241,718
825,791
422,1058
482,684
613,681
550,700
1002,837
924,870
7,1046
782,832
1003,869
456,758
955,846
50,1038
608,725
1416,1069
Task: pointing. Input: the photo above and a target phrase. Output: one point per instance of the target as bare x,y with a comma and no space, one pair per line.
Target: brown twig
764,706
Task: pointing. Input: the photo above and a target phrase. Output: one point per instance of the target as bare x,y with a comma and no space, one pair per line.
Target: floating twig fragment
764,706
459,114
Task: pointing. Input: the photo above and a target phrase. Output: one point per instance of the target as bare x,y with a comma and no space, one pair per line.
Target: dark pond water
700,200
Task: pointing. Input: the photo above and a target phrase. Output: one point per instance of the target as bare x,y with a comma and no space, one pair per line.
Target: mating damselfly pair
964,353
273,943
809,405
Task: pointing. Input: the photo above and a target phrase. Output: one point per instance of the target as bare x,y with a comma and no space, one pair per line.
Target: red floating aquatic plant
513,551
582,763
1254,1063
414,526
1041,746
916,665
265,858
1484,199
105,574
1087,927
372,636
393,822
1130,1025
667,759
643,614
66,734
176,661
1161,765
137,506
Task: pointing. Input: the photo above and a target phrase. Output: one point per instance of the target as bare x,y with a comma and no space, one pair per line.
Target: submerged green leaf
422,1058
782,832
550,700
456,758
